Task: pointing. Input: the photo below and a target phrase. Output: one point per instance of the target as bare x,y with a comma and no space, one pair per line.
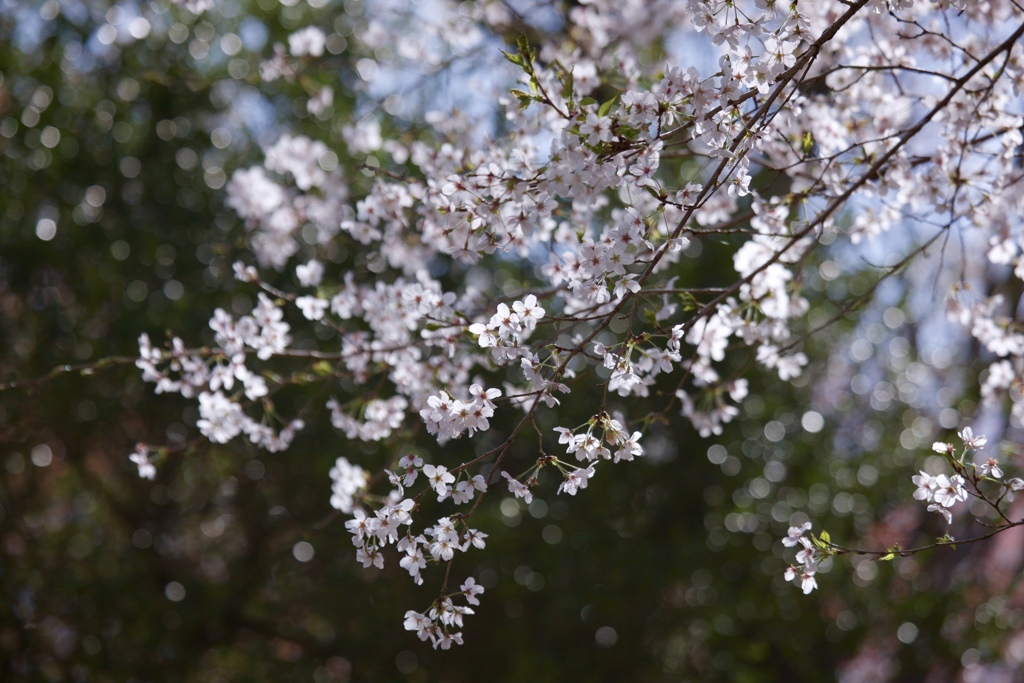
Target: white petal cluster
307,42
508,329
347,480
448,418
940,492
807,557
380,418
439,623
582,208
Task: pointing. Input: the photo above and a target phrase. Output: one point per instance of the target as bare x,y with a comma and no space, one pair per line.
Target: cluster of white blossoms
448,418
587,447
391,524
195,6
613,443
576,226
942,491
634,377
347,482
438,624
981,480
381,418
508,330
208,376
147,470
807,557
290,191
991,324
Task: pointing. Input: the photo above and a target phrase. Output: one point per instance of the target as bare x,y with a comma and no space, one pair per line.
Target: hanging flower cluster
557,254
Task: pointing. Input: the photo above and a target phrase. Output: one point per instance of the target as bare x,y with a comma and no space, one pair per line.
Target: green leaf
524,97
567,86
514,58
607,106
523,44
888,557
654,193
808,143
689,303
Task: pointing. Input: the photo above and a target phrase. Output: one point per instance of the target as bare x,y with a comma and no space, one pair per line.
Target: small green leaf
808,143
523,44
654,193
524,98
689,303
567,86
606,107
514,58
888,557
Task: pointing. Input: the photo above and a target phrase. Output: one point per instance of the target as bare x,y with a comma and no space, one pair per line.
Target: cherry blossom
545,258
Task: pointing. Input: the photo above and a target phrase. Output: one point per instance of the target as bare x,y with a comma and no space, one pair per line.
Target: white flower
439,478
990,468
949,490
347,480
806,554
806,576
475,538
795,533
308,41
970,441
462,493
310,274
370,558
629,448
926,486
518,488
141,458
935,507
413,562
321,101
528,311
414,621
312,308
576,480
471,589
196,7
220,417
